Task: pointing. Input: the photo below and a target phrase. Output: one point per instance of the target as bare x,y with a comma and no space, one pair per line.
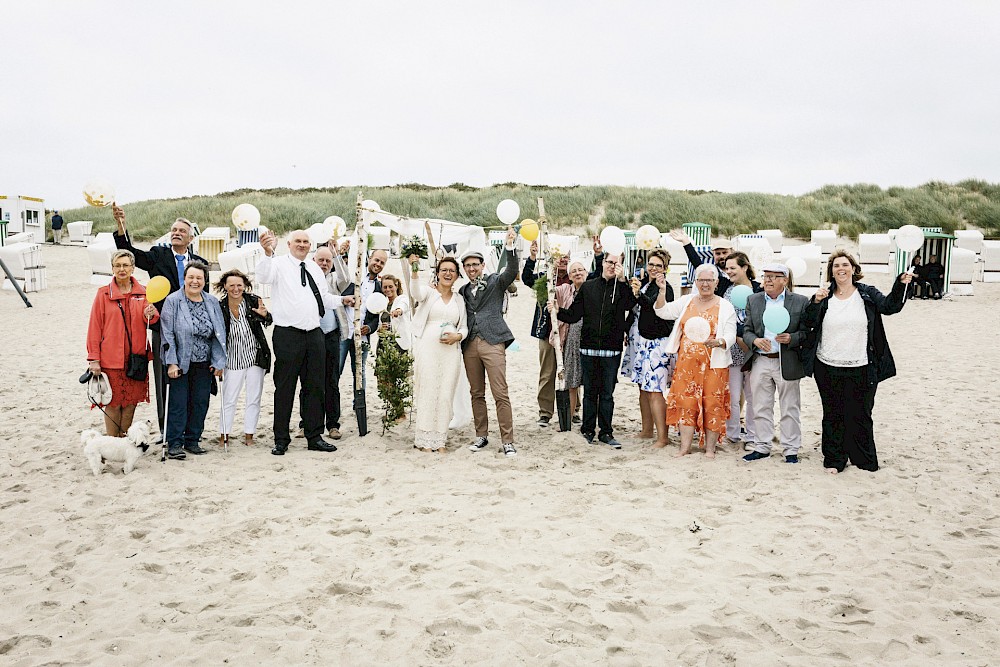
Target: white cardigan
726,328
401,324
427,298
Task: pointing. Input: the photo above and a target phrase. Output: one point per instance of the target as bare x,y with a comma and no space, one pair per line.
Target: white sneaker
478,444
508,449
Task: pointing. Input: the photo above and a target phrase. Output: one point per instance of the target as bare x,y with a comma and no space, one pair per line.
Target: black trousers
299,356
159,379
848,432
599,375
331,374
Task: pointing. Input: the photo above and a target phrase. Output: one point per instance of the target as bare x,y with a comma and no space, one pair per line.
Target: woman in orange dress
698,399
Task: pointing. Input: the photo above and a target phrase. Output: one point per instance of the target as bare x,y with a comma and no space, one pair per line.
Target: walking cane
166,416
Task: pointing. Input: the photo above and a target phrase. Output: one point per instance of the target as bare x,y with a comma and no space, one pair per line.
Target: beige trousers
546,379
483,360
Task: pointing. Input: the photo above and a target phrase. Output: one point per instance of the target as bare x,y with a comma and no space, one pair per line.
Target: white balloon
98,192
337,224
697,329
647,237
317,234
613,240
796,266
377,302
371,205
245,217
508,211
909,238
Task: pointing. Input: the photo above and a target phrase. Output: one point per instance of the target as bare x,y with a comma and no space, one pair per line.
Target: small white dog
100,449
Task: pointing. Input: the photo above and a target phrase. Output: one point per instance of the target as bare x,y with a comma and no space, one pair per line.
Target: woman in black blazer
248,356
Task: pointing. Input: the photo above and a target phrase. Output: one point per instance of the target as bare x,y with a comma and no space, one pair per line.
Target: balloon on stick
909,238
776,319
647,237
697,329
246,217
796,266
528,229
508,211
371,205
157,289
613,240
337,224
738,297
99,193
377,302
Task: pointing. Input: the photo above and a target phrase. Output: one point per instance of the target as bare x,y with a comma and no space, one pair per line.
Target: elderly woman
117,328
193,334
699,395
439,325
248,358
653,366
740,272
569,336
850,357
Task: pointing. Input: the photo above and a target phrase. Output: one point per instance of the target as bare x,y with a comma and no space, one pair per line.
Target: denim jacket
177,332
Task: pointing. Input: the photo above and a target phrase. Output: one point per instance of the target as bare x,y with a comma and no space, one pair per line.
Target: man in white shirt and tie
299,299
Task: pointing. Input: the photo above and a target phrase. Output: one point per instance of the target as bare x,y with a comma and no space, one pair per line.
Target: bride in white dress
438,327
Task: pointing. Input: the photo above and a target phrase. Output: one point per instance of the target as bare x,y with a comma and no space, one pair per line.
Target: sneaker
176,453
576,419
747,446
334,433
544,421
755,456
588,436
792,458
195,449
478,443
508,449
610,441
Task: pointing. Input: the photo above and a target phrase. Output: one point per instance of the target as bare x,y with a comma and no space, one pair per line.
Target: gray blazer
177,332
791,353
484,308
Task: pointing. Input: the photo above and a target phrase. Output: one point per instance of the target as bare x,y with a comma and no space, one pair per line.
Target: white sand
568,554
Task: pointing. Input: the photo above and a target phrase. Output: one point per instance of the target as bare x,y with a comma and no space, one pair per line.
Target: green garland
541,288
395,388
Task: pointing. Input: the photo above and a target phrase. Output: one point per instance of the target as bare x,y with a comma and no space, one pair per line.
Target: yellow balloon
529,229
157,289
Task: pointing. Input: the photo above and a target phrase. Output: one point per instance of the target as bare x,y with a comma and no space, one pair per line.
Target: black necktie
306,276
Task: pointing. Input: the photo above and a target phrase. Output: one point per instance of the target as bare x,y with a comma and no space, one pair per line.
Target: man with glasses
484,350
603,303
168,262
776,364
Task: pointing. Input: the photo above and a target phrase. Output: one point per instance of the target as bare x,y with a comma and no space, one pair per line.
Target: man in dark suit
166,262
484,350
370,283
773,370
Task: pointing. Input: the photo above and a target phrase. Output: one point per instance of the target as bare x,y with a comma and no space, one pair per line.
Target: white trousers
233,382
739,383
765,380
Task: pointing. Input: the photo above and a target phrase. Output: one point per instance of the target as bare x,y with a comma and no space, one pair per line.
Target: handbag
136,365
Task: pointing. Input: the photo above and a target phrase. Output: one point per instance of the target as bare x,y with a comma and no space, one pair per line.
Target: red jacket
106,339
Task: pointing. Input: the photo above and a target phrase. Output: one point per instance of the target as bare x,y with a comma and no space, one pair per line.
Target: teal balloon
776,319
738,297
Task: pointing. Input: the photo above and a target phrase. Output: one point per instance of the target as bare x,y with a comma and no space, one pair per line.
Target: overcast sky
181,98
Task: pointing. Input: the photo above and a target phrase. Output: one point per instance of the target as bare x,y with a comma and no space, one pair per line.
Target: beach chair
774,238
826,239
79,231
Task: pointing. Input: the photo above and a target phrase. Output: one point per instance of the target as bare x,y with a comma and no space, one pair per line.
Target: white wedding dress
436,371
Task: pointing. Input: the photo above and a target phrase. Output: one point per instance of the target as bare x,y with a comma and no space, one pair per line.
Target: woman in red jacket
109,343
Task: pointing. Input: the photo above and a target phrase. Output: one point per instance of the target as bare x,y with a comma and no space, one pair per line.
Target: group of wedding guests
605,326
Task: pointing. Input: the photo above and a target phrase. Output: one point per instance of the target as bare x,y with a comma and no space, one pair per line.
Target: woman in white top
699,393
396,323
439,325
850,357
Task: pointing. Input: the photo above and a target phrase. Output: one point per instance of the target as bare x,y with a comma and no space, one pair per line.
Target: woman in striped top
248,356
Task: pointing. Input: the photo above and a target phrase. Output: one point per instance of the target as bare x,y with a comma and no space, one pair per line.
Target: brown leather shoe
334,434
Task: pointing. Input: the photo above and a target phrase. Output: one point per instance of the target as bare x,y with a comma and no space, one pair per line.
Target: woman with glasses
740,272
438,326
652,366
117,328
699,394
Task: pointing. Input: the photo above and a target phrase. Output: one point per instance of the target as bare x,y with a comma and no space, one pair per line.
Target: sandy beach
568,554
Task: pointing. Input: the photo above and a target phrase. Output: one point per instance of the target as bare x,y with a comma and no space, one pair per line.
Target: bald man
300,298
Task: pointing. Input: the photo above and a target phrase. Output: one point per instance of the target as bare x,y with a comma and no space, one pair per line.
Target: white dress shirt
367,289
292,303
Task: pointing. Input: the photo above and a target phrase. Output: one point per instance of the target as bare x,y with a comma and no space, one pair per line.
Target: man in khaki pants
484,350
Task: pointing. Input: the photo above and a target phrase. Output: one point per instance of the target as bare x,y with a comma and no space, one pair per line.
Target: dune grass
854,209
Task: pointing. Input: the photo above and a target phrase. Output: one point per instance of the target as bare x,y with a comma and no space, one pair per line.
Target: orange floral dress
699,395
